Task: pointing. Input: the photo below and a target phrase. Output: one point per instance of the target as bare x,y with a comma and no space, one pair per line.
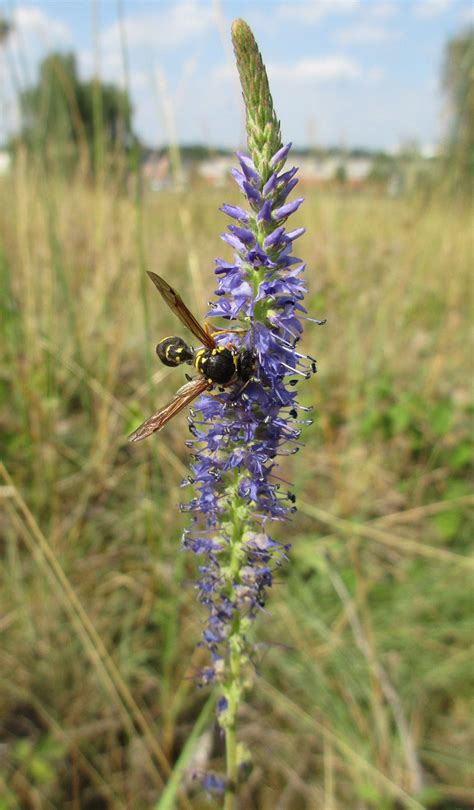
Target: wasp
215,364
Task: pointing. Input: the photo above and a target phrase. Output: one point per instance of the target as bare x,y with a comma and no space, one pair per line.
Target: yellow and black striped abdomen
173,351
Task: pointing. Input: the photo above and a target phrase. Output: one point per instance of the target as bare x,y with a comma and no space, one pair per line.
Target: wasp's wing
184,396
176,303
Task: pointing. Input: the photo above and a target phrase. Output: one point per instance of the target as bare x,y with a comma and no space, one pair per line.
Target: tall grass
364,692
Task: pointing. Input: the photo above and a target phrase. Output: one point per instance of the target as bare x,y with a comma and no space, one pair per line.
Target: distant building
216,171
156,171
329,168
318,171
334,168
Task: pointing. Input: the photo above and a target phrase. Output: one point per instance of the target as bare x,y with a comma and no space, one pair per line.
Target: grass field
364,696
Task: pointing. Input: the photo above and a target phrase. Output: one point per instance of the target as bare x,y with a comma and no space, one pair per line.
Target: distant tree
61,113
458,82
409,150
5,30
340,175
115,111
46,107
383,169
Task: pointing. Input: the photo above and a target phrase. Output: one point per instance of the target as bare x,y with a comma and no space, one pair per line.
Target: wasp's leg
229,332
236,393
213,332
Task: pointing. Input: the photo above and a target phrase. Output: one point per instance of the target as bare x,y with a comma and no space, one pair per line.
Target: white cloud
224,72
375,75
364,33
147,34
467,13
325,68
33,21
164,27
33,34
110,65
424,9
312,69
385,9
310,13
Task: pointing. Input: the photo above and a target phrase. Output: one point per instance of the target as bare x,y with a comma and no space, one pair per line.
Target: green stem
231,766
234,693
263,141
234,686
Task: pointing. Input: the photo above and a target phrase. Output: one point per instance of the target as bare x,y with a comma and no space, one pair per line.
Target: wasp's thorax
221,365
218,365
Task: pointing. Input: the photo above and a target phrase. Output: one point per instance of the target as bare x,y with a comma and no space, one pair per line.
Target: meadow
364,691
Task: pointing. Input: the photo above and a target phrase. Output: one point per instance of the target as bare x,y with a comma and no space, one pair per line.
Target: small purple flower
239,434
212,783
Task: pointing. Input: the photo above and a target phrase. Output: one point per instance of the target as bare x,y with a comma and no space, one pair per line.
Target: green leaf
441,418
41,770
462,455
448,523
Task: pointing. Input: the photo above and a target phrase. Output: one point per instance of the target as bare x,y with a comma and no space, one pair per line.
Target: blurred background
118,122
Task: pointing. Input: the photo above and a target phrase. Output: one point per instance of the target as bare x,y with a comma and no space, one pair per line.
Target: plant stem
234,687
231,766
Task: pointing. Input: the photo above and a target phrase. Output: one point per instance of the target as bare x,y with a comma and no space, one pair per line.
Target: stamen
294,370
313,320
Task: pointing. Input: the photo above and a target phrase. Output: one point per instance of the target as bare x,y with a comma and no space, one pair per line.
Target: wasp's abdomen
173,351
217,365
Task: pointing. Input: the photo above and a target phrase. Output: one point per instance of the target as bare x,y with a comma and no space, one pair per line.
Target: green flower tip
263,127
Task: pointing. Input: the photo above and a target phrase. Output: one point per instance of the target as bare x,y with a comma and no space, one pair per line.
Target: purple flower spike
239,435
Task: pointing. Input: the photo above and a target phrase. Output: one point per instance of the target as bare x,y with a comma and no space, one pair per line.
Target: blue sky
349,72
